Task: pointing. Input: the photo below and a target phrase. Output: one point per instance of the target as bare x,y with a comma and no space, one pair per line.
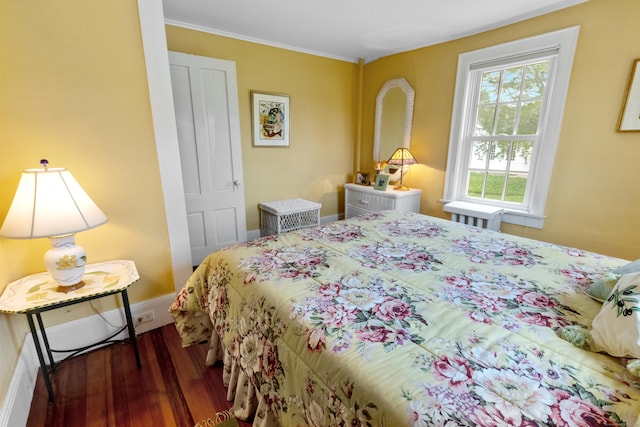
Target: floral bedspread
399,319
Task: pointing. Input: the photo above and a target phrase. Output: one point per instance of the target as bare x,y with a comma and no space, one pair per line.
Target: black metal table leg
132,331
47,347
43,366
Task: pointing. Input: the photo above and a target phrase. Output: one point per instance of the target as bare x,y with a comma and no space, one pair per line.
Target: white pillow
616,329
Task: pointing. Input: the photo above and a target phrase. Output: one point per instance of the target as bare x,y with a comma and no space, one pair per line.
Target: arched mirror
394,116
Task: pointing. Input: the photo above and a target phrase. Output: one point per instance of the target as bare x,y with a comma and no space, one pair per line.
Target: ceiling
353,29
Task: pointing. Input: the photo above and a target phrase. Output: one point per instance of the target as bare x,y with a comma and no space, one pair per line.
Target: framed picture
382,180
270,119
630,114
361,178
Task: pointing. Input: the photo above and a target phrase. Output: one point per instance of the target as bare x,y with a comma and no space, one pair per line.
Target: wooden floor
105,388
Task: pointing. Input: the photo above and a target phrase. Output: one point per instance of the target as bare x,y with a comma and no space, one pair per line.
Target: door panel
206,105
180,82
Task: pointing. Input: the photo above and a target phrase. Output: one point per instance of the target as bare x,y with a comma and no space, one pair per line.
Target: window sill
523,218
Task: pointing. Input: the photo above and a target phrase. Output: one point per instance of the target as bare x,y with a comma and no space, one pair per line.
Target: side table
35,294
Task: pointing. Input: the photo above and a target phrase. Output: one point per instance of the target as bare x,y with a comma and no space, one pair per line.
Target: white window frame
564,41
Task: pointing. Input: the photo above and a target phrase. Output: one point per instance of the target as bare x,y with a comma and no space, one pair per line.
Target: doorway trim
154,44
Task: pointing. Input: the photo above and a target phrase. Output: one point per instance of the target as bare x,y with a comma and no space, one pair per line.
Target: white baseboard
331,218
17,402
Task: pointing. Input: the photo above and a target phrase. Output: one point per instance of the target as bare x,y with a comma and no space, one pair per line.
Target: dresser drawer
370,202
361,200
353,210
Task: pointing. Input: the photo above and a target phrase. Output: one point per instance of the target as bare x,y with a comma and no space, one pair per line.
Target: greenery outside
495,182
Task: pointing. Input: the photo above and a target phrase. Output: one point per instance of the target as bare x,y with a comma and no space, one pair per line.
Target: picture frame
629,120
270,119
362,178
381,182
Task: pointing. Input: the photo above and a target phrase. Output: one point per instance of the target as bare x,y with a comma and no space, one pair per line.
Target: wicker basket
282,216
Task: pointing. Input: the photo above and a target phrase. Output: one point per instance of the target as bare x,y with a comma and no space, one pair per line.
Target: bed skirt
246,402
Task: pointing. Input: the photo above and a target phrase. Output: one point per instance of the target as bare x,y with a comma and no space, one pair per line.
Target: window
506,121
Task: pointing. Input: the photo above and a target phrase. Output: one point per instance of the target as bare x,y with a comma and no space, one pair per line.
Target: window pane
484,121
511,83
478,156
494,186
497,169
518,171
475,182
535,80
477,167
516,185
489,87
529,118
521,157
500,151
506,119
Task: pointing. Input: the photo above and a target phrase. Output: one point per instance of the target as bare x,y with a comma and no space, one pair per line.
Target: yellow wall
73,90
320,158
593,200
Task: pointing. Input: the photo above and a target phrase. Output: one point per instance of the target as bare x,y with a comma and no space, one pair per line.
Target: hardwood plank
196,378
174,387
101,404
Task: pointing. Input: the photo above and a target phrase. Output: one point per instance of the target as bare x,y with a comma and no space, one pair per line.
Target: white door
205,98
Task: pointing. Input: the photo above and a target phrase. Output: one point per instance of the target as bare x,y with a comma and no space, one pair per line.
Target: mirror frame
403,84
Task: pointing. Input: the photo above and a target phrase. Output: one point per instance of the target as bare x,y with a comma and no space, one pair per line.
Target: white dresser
361,199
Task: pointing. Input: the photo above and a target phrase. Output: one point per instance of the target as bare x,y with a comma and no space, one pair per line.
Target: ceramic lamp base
65,289
65,261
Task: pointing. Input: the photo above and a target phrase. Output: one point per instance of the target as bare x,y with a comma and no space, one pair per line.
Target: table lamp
401,157
49,202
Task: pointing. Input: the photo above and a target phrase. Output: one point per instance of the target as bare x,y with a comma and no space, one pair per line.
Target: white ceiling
352,29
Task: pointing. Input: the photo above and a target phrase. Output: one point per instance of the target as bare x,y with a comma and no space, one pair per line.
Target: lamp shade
402,156
50,202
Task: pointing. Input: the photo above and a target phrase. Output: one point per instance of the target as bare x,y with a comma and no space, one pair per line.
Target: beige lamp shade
50,202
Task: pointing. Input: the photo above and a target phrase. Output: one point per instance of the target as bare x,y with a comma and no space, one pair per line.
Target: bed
401,319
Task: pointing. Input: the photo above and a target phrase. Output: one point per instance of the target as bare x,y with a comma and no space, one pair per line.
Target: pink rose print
456,370
392,309
536,299
268,360
338,316
373,334
542,320
316,340
571,411
329,290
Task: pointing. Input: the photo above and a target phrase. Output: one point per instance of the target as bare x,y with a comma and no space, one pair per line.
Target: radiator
481,216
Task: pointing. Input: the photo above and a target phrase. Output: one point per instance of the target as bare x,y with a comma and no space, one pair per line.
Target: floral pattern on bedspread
294,262
402,319
494,251
520,387
390,255
358,311
492,296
